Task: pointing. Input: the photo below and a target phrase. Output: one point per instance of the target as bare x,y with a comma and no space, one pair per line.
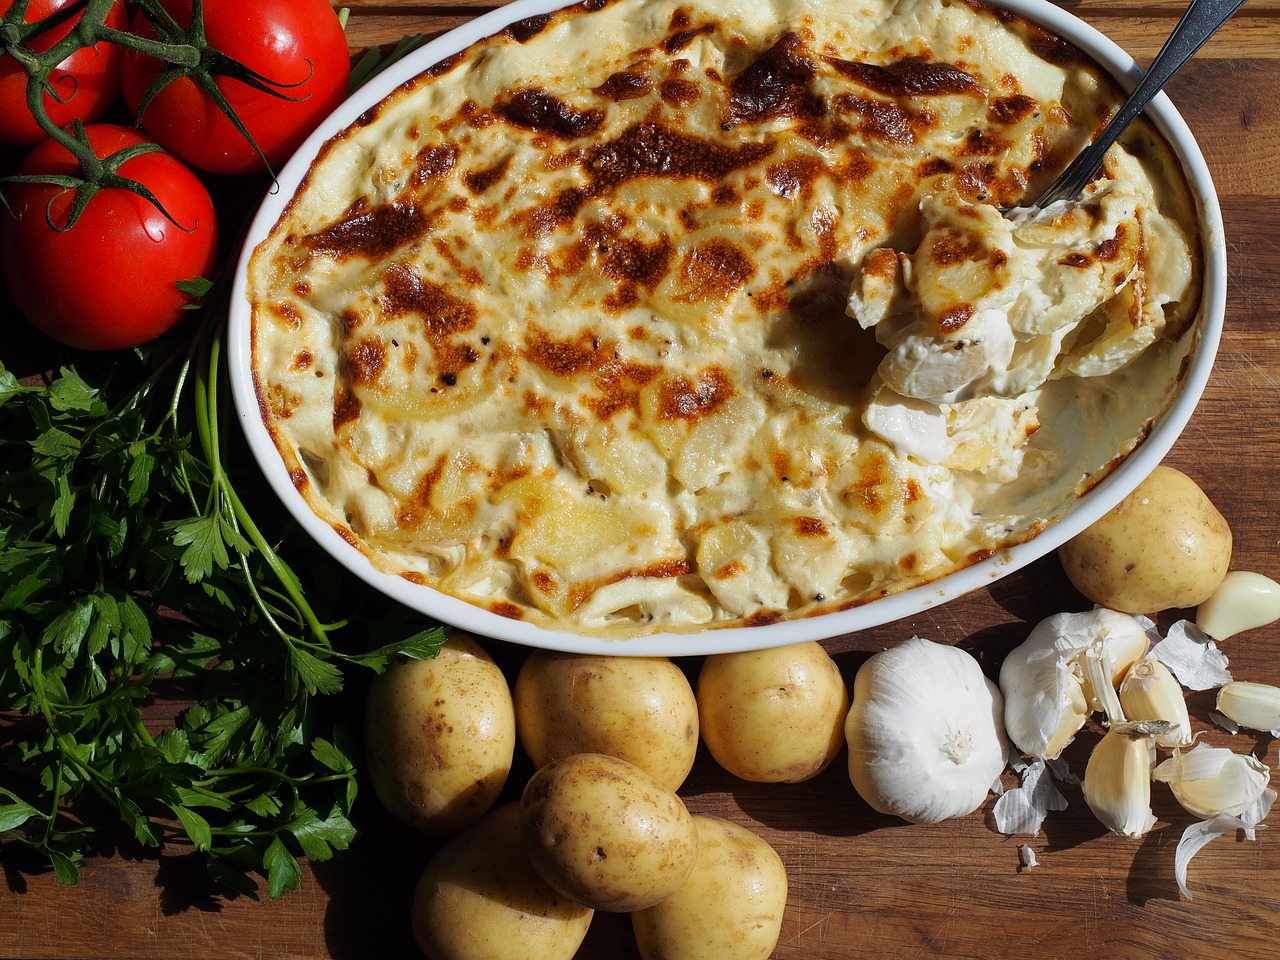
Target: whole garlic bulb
925,732
1045,680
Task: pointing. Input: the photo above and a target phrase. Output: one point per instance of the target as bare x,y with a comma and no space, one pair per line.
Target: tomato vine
184,50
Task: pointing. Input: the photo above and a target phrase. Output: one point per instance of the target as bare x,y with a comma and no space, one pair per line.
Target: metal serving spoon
1202,19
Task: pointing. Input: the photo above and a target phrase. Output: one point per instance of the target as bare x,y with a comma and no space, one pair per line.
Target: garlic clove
1213,781
1117,784
1074,710
1252,705
1047,719
1149,691
1244,601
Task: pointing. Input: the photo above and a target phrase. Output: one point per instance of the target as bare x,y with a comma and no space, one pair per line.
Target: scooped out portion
987,309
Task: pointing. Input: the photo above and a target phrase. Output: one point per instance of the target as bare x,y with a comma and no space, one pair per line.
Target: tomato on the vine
110,280
298,45
87,82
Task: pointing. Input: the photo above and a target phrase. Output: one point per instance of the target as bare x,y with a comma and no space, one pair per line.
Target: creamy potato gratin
653,316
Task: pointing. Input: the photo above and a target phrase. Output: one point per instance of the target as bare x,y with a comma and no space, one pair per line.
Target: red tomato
288,41
87,81
110,281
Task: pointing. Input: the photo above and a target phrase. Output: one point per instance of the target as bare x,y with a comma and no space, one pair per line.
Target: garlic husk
1192,656
1150,692
1202,832
1045,683
1099,671
1117,784
1213,781
1252,705
1244,601
925,732
1024,808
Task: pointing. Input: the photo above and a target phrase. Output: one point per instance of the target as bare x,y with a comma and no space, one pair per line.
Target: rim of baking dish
462,615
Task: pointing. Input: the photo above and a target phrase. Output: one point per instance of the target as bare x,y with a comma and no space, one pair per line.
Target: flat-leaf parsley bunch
133,574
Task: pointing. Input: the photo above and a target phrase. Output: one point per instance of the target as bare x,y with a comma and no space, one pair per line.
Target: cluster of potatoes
600,824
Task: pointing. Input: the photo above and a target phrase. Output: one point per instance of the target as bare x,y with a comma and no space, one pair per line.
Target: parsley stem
55,796
66,746
243,769
206,392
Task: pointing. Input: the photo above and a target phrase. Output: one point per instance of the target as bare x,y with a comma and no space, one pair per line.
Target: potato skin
605,833
731,905
440,735
479,895
747,700
640,709
1164,546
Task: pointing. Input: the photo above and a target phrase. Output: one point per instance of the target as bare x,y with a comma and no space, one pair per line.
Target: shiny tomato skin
88,81
288,41
110,281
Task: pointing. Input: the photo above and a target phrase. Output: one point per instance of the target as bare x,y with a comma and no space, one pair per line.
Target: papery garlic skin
1197,834
1024,808
1044,680
1150,692
1244,601
1252,705
1192,656
1117,784
1212,781
925,732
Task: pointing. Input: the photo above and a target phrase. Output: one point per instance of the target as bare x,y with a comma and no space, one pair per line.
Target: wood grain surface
864,885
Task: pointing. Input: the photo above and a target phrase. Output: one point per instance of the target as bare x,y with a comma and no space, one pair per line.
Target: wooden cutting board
863,885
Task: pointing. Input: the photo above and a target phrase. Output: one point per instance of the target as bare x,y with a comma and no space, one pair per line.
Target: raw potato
730,907
439,737
773,716
607,834
479,895
1165,546
639,709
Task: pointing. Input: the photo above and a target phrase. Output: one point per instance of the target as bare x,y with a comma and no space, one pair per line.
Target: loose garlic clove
1150,692
1117,783
1252,705
1045,682
1243,602
1213,781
